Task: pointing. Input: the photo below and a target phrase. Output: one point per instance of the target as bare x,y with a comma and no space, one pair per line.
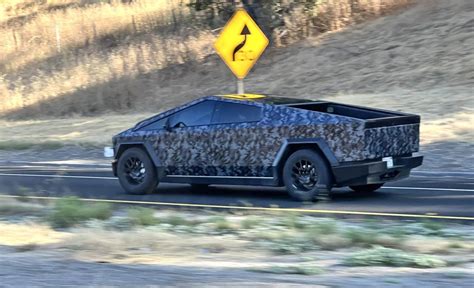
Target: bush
433,225
142,216
222,225
381,256
362,237
175,220
250,222
71,211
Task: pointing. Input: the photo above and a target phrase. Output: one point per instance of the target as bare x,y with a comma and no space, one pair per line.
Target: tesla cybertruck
308,146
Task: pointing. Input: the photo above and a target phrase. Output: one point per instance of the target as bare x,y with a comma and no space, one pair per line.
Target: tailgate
391,140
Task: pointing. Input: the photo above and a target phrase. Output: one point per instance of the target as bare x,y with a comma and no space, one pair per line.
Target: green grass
381,256
433,225
222,224
142,216
361,237
176,220
250,222
70,211
21,145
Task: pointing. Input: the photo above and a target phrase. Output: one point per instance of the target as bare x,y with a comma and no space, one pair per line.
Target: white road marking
428,188
115,178
58,176
443,173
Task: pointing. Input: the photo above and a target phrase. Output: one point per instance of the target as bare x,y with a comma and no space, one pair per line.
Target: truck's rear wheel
306,174
369,188
136,172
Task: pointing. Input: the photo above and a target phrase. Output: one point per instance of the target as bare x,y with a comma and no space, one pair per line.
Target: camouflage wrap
249,149
391,141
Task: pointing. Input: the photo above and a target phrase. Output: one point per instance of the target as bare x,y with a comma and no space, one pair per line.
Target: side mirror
167,126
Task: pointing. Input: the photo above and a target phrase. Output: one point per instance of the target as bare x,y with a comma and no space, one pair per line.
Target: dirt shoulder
96,245
48,269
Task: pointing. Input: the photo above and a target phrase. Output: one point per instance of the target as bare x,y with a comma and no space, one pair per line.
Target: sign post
240,44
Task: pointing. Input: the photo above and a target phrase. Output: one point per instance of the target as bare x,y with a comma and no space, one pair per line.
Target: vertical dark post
14,39
134,25
94,31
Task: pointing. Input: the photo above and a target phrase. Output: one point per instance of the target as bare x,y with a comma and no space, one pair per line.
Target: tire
306,183
136,172
369,188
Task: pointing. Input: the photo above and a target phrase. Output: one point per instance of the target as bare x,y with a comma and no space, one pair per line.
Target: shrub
381,256
175,220
361,237
433,225
71,211
222,225
142,216
250,222
293,221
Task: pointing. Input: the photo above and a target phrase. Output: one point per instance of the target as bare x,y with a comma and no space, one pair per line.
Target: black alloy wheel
136,172
306,175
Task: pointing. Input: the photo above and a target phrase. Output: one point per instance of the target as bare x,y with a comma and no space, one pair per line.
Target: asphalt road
447,194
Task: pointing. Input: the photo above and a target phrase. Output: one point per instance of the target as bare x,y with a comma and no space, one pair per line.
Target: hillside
62,57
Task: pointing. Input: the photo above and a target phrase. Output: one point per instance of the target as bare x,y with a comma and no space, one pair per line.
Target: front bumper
372,172
114,167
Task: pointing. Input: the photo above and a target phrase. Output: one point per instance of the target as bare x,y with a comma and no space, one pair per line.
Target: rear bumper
362,173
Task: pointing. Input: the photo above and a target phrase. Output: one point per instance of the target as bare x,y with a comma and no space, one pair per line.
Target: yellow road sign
241,43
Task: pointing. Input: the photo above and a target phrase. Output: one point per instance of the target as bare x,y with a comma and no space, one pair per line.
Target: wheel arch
292,145
121,147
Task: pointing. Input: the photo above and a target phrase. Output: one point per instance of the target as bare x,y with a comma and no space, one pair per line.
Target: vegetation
142,216
63,57
70,211
381,256
303,269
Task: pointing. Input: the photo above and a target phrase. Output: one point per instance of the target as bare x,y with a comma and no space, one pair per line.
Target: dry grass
29,234
105,48
76,131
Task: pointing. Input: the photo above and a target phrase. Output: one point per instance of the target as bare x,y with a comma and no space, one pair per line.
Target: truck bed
386,133
373,118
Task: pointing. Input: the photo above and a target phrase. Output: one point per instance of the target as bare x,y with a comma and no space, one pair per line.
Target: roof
267,99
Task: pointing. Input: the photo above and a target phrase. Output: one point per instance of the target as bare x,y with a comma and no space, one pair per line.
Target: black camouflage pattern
249,149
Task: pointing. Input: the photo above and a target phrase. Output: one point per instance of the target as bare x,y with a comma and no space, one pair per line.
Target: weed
142,216
433,225
70,211
293,220
361,237
381,256
250,222
175,220
222,224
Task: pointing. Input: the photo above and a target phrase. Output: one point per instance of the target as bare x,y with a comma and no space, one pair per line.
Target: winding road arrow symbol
245,32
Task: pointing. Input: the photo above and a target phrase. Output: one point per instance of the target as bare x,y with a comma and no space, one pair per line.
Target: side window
157,125
199,114
227,112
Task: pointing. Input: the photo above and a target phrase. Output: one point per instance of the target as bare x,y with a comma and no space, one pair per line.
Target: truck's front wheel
136,172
